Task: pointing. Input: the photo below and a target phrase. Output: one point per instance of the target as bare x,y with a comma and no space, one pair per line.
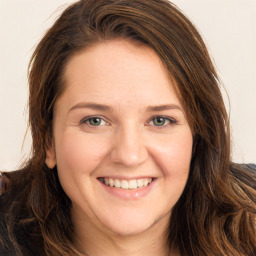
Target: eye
94,121
162,121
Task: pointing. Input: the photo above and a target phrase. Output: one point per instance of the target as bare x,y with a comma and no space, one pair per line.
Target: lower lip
129,194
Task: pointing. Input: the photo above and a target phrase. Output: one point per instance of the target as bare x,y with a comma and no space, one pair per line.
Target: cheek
78,152
174,155
175,164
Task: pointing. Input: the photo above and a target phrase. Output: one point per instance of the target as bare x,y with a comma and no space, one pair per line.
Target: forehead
119,71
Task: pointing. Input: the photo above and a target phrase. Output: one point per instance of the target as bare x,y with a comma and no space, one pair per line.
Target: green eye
95,121
159,121
162,121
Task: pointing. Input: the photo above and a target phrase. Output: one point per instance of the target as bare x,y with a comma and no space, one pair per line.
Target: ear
50,159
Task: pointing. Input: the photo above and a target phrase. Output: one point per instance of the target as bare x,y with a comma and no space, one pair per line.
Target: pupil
159,121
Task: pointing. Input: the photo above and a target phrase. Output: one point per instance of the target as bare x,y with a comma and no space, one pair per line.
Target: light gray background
228,27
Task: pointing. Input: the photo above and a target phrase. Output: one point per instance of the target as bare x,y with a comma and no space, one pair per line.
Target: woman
131,142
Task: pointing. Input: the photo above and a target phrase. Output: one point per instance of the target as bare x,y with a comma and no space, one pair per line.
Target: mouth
126,184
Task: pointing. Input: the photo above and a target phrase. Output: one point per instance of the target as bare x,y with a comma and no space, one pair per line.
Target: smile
126,184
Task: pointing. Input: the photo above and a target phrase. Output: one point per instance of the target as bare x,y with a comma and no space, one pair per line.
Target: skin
131,82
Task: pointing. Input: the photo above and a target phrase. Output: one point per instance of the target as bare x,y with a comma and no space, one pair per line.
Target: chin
128,230
134,224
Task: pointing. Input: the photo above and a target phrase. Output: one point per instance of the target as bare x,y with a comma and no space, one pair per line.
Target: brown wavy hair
216,213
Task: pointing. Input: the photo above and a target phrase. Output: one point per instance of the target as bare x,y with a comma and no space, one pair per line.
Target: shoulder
13,186
19,229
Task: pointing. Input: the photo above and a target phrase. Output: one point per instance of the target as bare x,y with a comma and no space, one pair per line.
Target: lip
134,194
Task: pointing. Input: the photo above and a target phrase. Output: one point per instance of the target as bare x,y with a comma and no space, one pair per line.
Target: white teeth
140,183
133,184
127,184
117,183
124,184
111,182
145,182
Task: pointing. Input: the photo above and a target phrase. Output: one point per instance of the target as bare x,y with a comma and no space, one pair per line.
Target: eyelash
170,121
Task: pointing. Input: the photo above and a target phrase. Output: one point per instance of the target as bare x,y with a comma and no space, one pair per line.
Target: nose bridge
129,148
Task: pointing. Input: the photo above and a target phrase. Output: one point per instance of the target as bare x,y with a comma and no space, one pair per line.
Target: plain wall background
229,30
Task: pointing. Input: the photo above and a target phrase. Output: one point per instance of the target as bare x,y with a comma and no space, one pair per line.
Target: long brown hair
216,213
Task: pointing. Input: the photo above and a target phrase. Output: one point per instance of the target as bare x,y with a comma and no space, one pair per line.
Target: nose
128,148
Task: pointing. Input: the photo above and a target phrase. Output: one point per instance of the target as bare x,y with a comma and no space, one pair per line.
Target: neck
93,240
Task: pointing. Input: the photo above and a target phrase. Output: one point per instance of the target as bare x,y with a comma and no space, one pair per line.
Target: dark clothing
27,234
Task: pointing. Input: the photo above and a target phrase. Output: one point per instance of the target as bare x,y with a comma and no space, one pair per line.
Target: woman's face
122,144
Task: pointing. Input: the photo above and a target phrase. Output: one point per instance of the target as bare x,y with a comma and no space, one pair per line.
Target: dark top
28,235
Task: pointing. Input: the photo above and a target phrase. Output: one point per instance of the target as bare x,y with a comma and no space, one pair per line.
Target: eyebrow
163,107
94,106
107,108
